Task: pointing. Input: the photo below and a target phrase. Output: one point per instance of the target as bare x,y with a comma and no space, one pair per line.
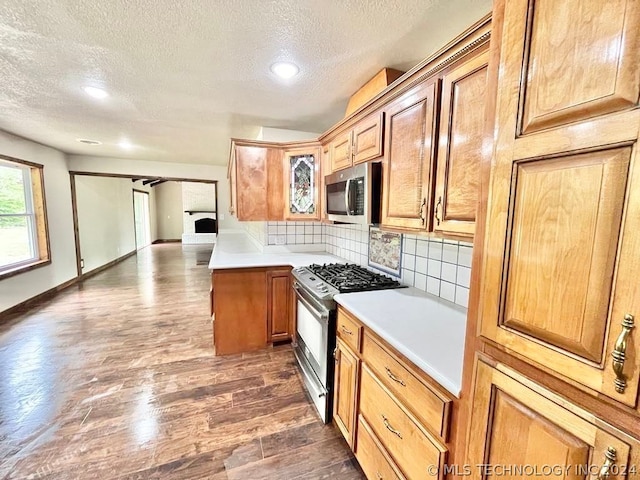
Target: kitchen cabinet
462,146
252,307
399,417
358,145
257,183
240,306
345,390
279,317
273,181
409,159
518,424
302,188
562,255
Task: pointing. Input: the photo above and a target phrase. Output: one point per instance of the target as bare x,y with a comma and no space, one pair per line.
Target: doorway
141,218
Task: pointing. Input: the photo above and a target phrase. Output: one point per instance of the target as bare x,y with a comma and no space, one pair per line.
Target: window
23,226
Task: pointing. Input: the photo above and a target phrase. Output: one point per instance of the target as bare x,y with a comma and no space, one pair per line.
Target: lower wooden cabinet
518,424
373,459
279,317
396,433
346,387
252,307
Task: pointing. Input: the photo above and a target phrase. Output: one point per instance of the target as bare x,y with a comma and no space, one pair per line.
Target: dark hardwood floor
115,378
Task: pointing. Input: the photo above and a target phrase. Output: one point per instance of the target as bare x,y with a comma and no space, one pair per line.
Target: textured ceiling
184,76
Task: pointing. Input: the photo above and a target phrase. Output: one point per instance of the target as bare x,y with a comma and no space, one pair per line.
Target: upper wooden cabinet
358,145
463,146
262,175
562,248
520,425
587,69
302,188
256,183
408,161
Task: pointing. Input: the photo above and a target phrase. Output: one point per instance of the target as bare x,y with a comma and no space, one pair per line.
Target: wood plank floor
115,378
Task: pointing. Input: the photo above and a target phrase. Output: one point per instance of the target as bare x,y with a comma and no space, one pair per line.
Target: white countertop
238,250
426,329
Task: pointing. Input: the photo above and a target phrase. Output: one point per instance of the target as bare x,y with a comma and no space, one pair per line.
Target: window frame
36,214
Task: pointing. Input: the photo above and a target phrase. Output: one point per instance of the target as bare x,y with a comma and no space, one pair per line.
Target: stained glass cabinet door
302,168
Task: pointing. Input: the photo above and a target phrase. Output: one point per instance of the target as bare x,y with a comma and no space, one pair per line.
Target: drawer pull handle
394,378
619,354
609,460
390,428
344,330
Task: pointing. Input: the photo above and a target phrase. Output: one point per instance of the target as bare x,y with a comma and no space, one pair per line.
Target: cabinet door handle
423,216
344,330
609,460
619,353
390,428
379,476
394,378
438,205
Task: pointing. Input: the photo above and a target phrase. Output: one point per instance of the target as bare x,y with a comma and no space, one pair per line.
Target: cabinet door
462,146
345,389
275,184
279,298
526,427
562,252
302,189
408,160
367,138
340,152
251,183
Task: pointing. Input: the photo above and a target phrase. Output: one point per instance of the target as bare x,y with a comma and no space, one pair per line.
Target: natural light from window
20,244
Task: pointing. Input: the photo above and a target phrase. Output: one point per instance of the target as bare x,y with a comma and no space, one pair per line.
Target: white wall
16,289
105,219
270,134
170,211
125,166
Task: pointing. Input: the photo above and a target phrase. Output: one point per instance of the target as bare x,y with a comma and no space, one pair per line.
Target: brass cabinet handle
438,205
394,378
619,354
609,460
423,217
390,428
344,329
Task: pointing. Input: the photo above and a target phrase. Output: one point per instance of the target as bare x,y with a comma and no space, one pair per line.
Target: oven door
313,349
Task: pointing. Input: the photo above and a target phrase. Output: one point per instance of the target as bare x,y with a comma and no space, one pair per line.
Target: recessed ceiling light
86,141
95,92
125,144
285,69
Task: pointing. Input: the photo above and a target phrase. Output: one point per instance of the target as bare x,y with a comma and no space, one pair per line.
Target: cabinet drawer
372,458
349,331
431,408
416,453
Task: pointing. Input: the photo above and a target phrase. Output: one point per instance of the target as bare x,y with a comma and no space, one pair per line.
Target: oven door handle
314,307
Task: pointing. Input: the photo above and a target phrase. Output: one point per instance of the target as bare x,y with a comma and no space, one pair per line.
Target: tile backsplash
440,267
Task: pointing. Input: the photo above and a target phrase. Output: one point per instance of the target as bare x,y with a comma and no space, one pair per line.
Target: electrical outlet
281,240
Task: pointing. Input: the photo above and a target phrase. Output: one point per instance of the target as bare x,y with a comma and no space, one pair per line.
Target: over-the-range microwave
353,194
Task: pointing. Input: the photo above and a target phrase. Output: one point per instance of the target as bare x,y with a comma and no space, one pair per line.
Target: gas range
325,281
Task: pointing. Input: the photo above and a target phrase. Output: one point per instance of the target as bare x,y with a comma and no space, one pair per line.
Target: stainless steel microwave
353,194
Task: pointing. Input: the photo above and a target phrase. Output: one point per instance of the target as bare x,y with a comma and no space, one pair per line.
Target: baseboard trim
95,271
29,303
168,240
